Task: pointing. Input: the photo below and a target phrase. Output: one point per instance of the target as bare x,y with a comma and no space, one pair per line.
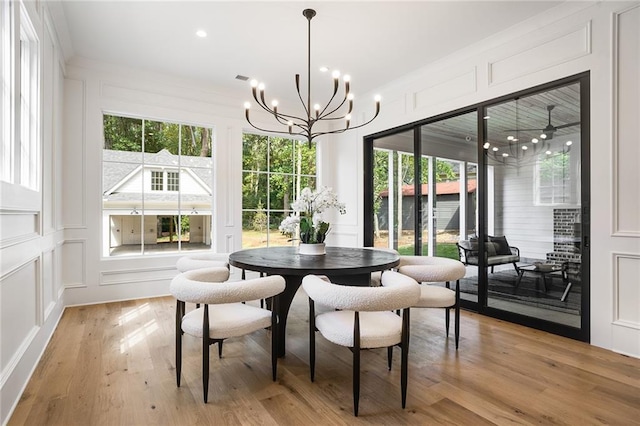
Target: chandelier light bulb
348,117
377,98
569,143
247,105
274,103
524,147
350,97
316,107
504,154
346,78
254,83
510,138
335,74
534,140
543,136
486,145
261,87
548,152
495,149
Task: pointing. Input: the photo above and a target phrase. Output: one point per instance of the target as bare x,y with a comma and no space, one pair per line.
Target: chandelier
337,109
517,150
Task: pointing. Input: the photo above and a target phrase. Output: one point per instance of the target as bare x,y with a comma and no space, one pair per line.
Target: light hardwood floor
113,364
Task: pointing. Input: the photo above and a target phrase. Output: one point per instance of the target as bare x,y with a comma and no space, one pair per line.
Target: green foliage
448,250
274,170
260,219
126,134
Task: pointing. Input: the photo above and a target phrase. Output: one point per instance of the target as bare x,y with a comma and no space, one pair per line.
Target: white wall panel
18,313
451,88
49,293
626,123
626,287
73,175
74,260
17,226
544,48
138,275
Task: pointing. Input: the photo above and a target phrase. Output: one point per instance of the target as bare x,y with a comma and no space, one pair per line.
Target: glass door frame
582,333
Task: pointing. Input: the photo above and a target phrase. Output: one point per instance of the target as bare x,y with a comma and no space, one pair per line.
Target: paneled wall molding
626,270
15,359
75,134
543,48
228,189
9,272
229,246
137,275
445,90
79,262
624,116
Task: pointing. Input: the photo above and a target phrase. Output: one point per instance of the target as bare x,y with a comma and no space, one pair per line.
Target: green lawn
442,250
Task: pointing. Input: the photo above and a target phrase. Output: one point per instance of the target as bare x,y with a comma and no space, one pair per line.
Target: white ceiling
374,42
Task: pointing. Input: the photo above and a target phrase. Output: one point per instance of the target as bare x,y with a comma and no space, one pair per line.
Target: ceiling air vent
242,77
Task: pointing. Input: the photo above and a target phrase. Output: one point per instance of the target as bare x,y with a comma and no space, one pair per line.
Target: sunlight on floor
130,316
138,335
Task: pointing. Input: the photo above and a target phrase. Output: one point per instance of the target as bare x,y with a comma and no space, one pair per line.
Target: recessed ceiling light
201,33
324,69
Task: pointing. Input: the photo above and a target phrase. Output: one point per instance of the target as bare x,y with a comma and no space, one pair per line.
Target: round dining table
343,265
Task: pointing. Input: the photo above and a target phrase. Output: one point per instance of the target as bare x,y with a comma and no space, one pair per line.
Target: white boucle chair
430,269
222,315
362,319
202,260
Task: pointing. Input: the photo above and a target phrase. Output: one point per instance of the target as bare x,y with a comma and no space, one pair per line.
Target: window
6,153
19,126
29,104
554,180
173,181
274,171
156,181
145,210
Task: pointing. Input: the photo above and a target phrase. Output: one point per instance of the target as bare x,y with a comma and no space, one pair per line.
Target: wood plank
114,364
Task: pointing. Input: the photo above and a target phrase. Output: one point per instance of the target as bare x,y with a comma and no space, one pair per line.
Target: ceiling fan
550,129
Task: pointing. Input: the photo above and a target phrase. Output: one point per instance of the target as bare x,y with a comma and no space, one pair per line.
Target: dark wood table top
337,261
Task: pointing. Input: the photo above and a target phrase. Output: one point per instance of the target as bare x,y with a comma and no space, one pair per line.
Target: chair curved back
202,260
209,286
397,292
431,269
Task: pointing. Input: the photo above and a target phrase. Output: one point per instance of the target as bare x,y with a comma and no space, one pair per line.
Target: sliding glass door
502,186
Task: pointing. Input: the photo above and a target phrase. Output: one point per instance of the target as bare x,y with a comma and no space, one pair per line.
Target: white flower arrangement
307,215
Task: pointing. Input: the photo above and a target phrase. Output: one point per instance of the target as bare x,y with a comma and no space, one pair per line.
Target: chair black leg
356,363
405,356
205,353
446,320
457,313
274,338
312,340
389,356
220,349
179,315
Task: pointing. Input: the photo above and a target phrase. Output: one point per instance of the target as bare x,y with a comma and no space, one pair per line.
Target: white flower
311,204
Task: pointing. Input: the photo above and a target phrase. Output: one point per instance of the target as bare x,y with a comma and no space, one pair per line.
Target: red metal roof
442,188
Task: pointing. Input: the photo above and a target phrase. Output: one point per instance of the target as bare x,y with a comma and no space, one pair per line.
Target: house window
6,152
29,103
173,181
20,97
274,172
553,178
156,181
145,209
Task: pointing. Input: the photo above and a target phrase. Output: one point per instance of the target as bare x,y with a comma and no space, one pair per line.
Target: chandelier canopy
337,109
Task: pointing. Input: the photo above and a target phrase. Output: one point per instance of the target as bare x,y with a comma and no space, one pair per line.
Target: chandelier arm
306,107
274,131
335,92
324,116
348,127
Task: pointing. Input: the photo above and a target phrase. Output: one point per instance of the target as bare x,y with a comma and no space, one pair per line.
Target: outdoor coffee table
544,271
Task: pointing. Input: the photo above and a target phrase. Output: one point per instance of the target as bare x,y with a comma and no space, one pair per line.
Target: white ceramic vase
312,249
